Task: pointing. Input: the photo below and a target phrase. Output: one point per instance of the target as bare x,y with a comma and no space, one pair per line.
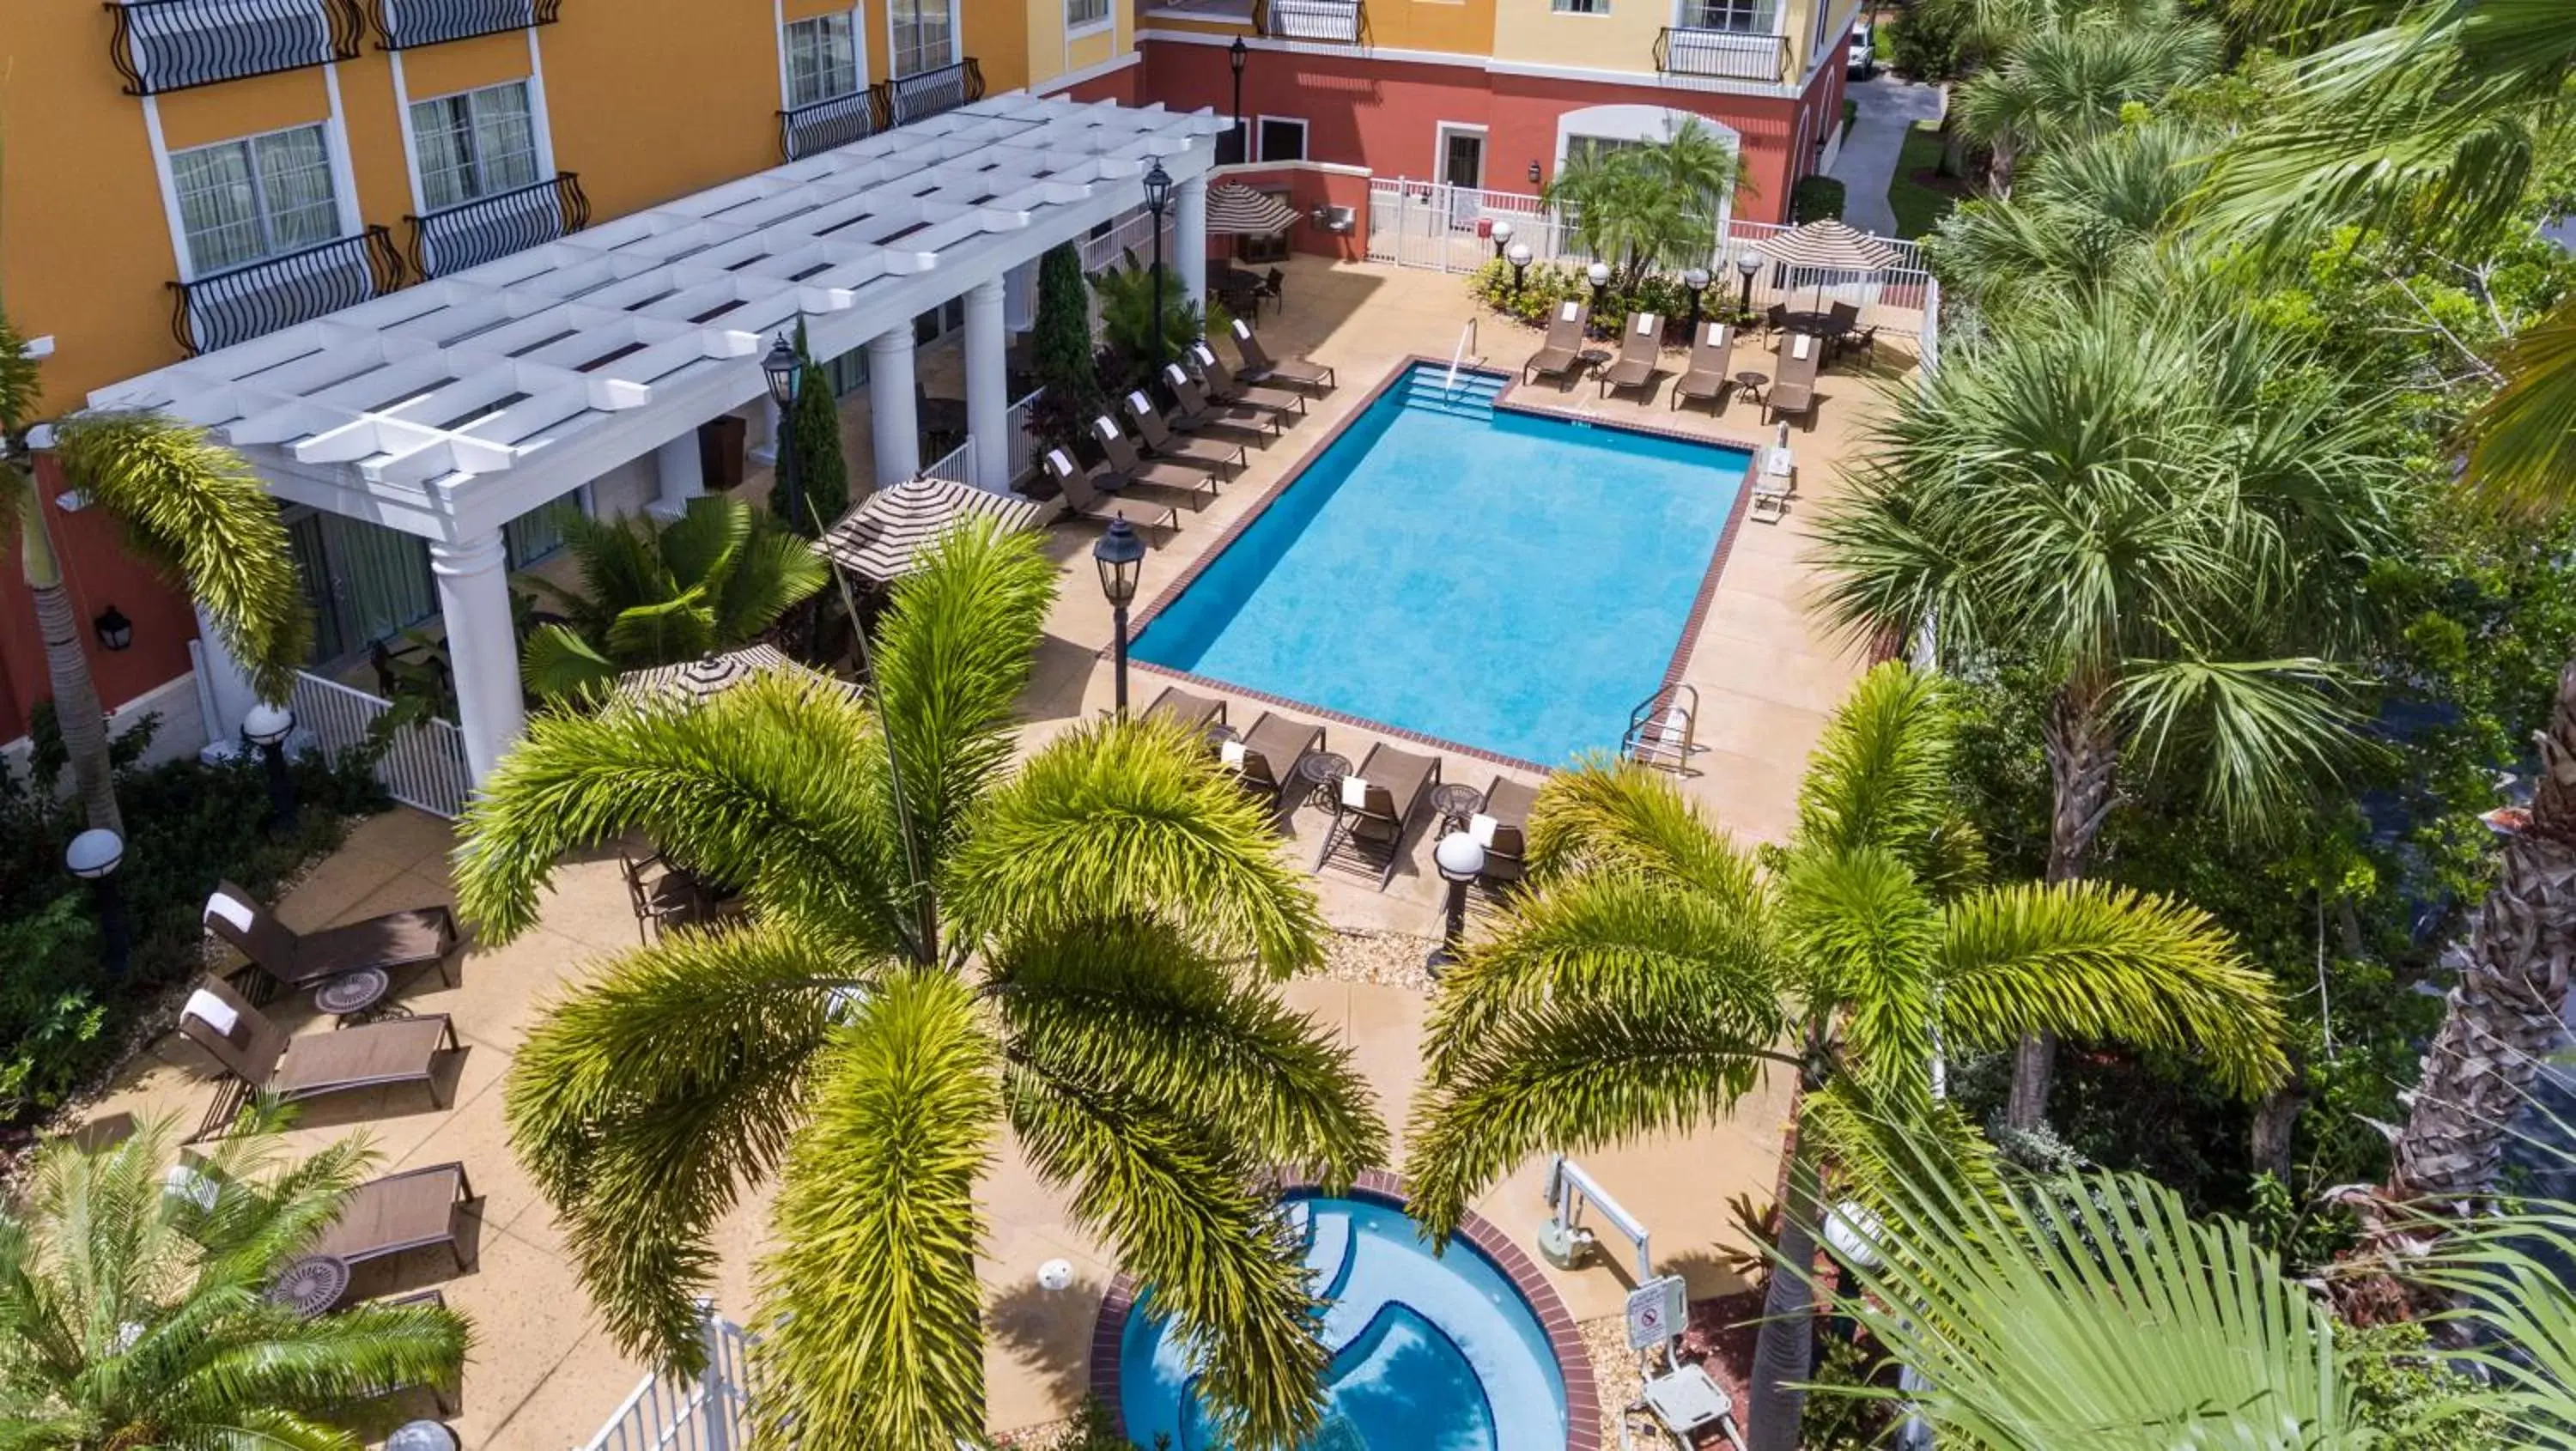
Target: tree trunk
2273,1120
2083,753
76,709
1785,1352
2503,1015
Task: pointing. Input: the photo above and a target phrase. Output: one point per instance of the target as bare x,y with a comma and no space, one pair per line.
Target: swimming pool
1428,1354
1502,580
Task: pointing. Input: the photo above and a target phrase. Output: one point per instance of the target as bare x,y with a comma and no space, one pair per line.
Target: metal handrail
1731,55
930,93
161,46
404,24
835,121
470,234
1340,22
240,303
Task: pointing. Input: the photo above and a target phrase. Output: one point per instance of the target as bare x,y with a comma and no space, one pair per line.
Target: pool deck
543,1376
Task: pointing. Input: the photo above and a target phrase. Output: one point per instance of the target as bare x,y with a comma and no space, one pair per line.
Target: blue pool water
1427,1354
1505,581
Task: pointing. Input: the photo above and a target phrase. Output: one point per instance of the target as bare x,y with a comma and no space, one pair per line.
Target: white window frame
1440,134
858,50
540,151
1682,18
1305,137
1578,7
894,49
334,162
1077,29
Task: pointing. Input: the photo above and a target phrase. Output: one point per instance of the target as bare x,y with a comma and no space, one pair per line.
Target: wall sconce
1533,173
115,631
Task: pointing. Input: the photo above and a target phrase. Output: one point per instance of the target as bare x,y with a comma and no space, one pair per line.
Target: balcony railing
928,93
1334,22
1726,55
839,121
403,24
170,45
470,234
224,308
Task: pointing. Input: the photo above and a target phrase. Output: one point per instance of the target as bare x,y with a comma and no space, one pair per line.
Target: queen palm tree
1648,204
134,1312
2161,509
937,948
1652,973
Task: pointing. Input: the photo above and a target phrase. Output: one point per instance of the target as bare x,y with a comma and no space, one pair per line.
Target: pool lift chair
1660,730
1681,1400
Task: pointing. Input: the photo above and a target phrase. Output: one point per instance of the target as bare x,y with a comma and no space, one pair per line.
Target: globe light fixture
93,857
267,726
1461,860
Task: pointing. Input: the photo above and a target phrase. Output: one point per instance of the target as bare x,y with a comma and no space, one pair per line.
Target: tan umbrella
879,539
1236,210
712,675
1829,245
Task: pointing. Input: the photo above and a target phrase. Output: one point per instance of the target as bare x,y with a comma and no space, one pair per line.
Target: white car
1863,54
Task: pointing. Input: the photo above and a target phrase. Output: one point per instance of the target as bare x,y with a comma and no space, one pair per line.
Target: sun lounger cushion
1139,402
238,913
1355,791
185,1182
212,1011
1231,753
1647,323
1481,829
1106,429
1565,311
1057,461
1799,343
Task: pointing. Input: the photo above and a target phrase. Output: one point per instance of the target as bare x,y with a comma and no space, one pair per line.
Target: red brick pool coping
1582,1397
1508,401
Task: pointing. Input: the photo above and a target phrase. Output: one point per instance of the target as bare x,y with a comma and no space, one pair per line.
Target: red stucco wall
99,573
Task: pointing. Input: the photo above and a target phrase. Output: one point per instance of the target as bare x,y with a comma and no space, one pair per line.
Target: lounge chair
1223,385
1376,805
1562,353
1712,355
1081,500
1196,412
1133,472
1502,828
262,1058
414,1209
1640,348
1179,706
287,958
1794,391
1260,367
1265,757
1161,442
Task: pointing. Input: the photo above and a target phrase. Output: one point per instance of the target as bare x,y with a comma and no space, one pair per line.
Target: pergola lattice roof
452,406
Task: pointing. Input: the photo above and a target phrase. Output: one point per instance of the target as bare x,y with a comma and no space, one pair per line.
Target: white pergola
450,408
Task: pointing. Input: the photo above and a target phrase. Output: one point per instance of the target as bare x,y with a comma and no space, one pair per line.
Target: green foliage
1650,204
2397,1376
1127,307
1927,42
822,474
1066,364
1839,1420
1545,284
1817,197
1094,1428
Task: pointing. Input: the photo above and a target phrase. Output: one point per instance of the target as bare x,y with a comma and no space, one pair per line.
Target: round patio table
352,993
1322,773
1751,384
1452,803
311,1284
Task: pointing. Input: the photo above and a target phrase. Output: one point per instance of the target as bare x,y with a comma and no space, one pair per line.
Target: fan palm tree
657,592
134,1309
1652,973
1649,204
2091,213
2161,510
938,947
2068,81
190,506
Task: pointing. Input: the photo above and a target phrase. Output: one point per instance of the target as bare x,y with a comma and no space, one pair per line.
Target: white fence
958,467
708,1414
1024,444
1133,231
423,766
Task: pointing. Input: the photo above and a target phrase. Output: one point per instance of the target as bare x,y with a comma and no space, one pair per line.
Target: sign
1656,1312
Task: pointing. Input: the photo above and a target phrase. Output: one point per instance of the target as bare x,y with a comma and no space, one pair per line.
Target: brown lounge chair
1376,804
1198,485
1562,353
1260,367
1507,805
398,1213
1712,354
264,1059
1083,501
1794,391
1197,712
1640,348
1222,384
1265,758
442,1396
1196,412
1160,441
287,958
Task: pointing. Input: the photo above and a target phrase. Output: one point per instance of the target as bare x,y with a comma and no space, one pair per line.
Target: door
1462,170
363,581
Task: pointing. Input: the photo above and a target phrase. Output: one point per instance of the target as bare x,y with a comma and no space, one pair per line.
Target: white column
988,387
1189,236
474,600
228,689
891,415
764,450
679,476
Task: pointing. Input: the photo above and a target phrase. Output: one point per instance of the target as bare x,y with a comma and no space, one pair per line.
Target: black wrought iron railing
403,24
161,46
1335,22
224,308
470,234
928,93
1727,55
805,130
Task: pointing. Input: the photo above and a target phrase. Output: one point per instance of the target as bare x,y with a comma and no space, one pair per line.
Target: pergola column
1189,236
228,689
988,390
679,475
474,601
892,418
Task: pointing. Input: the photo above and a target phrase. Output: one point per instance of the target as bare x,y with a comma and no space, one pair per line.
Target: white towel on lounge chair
184,1182
1107,430
1242,329
1566,312
1481,829
212,1011
1231,753
1139,402
1058,462
1647,322
1355,792
1179,379
1716,334
1200,352
237,913
1799,343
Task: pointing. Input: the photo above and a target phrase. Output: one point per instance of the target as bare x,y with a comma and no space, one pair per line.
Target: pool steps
1473,397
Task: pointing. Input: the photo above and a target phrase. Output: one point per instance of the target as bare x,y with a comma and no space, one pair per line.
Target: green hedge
1548,283
1815,198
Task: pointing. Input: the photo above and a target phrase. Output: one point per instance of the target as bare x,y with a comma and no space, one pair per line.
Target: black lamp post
1461,859
267,727
1158,193
1119,552
1748,263
1519,256
1599,272
115,631
1235,56
1696,280
94,856
1502,235
785,370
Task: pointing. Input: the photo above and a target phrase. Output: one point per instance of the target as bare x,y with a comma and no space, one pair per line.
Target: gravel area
1614,1369
1392,958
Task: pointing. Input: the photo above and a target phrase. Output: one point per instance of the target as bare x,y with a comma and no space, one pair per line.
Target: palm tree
189,505
2158,506
659,593
939,946
1652,973
2089,214
2067,82
1652,203
134,1311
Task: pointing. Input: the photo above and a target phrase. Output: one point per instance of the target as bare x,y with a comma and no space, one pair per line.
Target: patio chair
1199,485
1160,441
393,941
1711,359
1840,318
1562,353
1196,412
1081,500
1863,341
660,895
1264,759
1376,806
262,1058
1794,391
1775,319
1179,706
399,1213
1502,828
1640,348
1274,285
1226,388
1260,367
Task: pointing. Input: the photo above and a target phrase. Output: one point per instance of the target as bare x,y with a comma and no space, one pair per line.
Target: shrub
1548,283
1927,44
1815,198
1066,366
822,475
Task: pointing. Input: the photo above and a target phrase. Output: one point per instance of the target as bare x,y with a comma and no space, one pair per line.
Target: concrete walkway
1888,109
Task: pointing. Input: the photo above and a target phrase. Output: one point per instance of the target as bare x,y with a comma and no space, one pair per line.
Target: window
822,60
1580,7
261,196
1753,16
923,31
474,144
1084,14
1595,148
1283,138
539,533
847,373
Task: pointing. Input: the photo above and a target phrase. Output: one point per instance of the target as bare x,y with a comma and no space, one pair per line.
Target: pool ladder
1466,340
1662,730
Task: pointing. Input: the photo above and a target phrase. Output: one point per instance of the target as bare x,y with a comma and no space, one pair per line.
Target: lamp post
1235,56
94,856
1599,272
785,371
1502,235
267,727
1519,257
1696,280
1747,264
1118,553
1460,860
115,631
1158,192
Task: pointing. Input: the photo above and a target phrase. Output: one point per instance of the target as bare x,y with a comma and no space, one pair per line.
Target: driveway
1888,109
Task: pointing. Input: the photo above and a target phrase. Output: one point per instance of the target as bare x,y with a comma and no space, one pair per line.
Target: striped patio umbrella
709,675
879,539
1828,246
1235,210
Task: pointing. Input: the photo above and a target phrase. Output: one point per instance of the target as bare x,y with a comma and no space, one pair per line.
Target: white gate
423,765
1435,225
711,1413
